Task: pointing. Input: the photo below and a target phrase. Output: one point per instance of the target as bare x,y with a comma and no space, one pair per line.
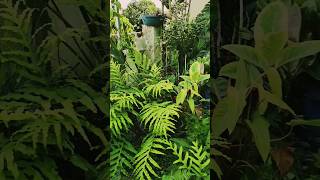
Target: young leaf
195,71
273,18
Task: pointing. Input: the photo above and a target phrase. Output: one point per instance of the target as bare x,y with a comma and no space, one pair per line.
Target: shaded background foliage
234,25
53,89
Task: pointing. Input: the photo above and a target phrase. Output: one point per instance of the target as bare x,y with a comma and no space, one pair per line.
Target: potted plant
153,19
137,9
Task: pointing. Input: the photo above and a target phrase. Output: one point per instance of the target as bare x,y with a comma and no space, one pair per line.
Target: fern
119,121
121,158
195,161
127,98
29,166
159,117
155,90
116,76
144,163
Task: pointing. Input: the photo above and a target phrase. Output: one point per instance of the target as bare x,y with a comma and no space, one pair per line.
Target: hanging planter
151,20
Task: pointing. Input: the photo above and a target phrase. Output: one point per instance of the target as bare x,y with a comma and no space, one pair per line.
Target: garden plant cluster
233,94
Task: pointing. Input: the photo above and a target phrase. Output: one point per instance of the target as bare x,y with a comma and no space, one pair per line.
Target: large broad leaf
275,81
229,70
271,47
298,51
260,129
191,104
227,112
181,96
246,53
272,19
195,71
242,80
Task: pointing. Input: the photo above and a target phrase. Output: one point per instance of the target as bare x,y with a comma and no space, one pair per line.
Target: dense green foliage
145,118
52,107
252,97
160,128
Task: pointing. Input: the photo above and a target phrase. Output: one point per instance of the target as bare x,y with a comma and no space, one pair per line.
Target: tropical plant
257,91
144,119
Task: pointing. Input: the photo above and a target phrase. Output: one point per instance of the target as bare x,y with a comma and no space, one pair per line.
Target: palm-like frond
121,158
116,76
155,90
196,160
144,163
159,117
119,121
127,98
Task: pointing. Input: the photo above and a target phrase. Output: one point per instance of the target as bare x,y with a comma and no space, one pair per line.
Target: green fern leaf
196,160
159,117
121,157
155,90
144,163
119,121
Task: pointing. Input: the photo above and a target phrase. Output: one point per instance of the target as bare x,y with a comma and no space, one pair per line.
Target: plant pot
150,20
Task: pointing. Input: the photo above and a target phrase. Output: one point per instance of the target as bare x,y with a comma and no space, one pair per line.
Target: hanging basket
150,20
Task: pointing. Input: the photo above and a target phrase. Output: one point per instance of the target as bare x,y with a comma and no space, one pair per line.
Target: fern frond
121,158
155,72
116,76
98,98
144,163
127,98
196,160
159,117
119,121
7,155
155,90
